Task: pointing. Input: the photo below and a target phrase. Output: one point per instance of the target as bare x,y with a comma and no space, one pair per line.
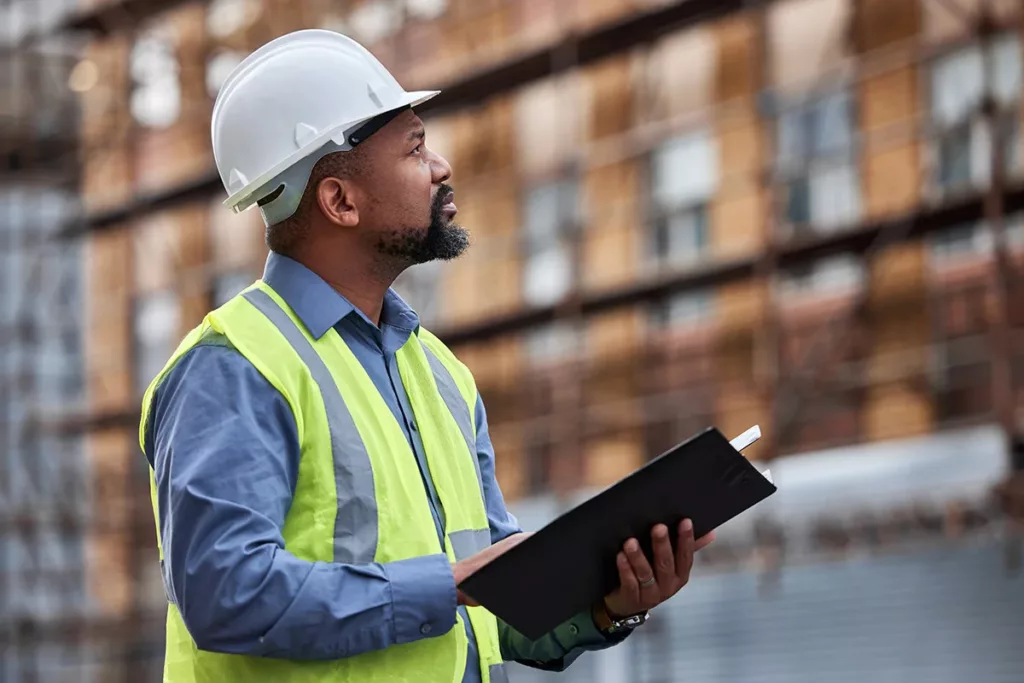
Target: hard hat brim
248,195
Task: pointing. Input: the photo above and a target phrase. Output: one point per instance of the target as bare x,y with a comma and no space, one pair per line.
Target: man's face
409,212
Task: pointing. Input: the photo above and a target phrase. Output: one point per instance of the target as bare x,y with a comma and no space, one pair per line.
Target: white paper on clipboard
745,439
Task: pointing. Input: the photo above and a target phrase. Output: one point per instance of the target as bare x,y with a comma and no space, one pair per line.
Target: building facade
803,214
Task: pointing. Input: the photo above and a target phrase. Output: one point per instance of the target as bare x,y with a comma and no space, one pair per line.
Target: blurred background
802,214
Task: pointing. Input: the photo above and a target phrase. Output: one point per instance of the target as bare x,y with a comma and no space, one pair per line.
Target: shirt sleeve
224,448
558,649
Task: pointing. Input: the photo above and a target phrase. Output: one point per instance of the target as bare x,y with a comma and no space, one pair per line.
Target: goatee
444,239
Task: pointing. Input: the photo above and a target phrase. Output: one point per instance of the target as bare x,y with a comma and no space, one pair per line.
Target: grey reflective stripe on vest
498,673
469,542
355,527
457,406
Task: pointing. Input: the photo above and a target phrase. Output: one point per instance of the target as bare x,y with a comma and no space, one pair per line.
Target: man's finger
664,559
644,574
704,541
684,551
627,579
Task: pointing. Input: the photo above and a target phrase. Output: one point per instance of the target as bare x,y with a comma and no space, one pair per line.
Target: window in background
227,285
552,342
962,141
155,72
684,177
219,67
959,244
815,165
426,9
823,277
225,18
156,326
371,22
683,310
420,287
551,217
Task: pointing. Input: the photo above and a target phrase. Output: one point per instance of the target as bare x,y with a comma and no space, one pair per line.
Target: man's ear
336,199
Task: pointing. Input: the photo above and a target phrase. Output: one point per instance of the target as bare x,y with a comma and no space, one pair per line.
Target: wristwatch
609,625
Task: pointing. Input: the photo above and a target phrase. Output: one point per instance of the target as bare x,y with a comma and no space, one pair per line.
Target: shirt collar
320,307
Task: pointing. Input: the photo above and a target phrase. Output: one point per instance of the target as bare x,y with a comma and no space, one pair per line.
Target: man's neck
368,297
363,285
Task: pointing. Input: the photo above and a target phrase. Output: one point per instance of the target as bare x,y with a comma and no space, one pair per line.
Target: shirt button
425,629
573,629
412,425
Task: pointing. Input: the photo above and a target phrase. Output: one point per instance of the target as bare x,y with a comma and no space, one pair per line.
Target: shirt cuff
423,597
582,633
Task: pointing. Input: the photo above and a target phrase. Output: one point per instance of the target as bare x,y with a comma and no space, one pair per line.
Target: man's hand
464,568
640,587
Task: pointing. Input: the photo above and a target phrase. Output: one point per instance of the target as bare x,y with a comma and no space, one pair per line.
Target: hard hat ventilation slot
271,197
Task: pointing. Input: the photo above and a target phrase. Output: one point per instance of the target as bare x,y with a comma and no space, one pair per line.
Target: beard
443,239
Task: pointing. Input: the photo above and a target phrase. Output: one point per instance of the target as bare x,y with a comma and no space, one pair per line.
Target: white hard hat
290,103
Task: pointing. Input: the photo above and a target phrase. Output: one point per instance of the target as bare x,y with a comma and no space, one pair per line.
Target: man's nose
440,169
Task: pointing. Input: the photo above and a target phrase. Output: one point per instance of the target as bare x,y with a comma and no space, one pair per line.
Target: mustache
442,191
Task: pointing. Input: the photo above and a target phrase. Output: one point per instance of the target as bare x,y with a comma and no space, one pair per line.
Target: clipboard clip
746,439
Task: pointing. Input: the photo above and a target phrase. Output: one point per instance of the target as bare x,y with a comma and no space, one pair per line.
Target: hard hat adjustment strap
373,125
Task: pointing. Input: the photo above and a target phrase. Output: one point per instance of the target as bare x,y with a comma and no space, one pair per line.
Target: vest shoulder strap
462,375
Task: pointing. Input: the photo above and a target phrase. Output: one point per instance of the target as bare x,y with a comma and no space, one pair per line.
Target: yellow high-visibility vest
359,496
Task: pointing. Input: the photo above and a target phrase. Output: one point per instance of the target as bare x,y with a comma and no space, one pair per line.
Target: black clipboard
569,565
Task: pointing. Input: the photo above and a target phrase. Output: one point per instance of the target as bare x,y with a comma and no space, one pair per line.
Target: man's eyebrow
419,133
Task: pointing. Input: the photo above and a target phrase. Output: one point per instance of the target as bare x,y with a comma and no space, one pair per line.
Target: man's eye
417,148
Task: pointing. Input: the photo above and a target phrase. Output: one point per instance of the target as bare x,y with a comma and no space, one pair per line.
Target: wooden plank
895,411
237,240
107,335
806,41
610,458
740,306
738,407
170,245
612,242
106,175
940,25
509,461
738,222
614,335
737,64
739,209
539,23
666,91
247,29
883,23
608,87
168,157
487,276
108,544
104,106
590,14
889,110
543,148
898,323
482,139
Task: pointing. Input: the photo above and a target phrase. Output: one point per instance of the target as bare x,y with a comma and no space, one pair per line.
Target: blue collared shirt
225,450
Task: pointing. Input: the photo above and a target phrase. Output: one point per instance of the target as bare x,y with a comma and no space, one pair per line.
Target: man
323,476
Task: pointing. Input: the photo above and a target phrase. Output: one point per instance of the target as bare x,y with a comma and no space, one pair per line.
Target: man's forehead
405,125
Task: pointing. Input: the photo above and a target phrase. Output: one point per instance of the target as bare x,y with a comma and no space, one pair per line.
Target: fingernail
687,526
632,545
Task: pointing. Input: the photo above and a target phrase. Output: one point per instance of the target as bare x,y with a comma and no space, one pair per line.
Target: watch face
630,622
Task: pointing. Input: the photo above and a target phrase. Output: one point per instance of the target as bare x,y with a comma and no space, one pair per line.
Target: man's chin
445,242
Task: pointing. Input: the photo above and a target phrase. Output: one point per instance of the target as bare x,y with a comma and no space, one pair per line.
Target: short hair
285,236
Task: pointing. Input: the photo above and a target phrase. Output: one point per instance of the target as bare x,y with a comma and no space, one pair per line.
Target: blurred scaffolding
805,214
